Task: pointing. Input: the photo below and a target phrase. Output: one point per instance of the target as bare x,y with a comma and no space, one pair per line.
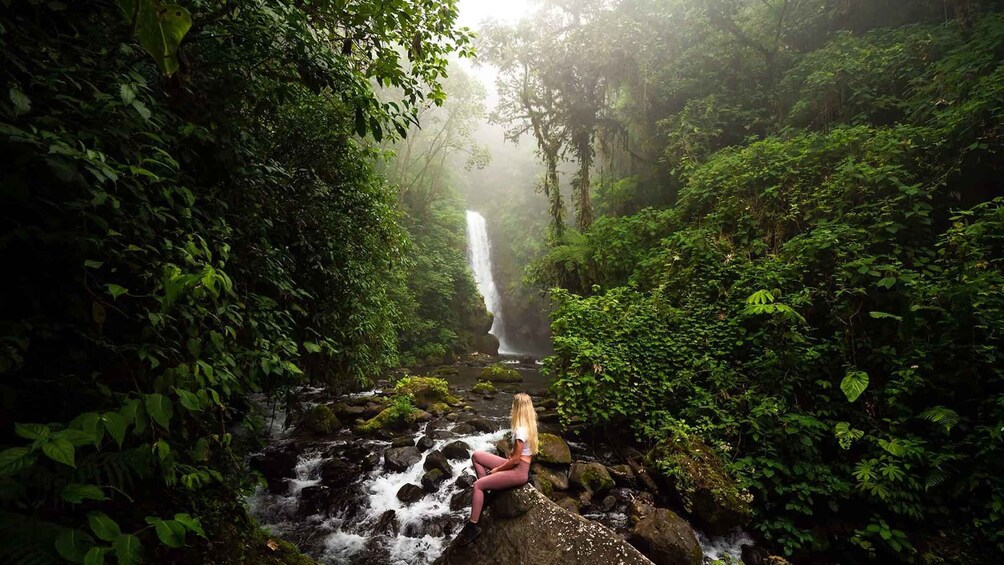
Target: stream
340,504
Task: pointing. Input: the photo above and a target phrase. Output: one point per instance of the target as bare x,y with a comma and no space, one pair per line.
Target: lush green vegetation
193,213
817,293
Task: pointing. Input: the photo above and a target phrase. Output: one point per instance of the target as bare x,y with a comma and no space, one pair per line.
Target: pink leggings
483,462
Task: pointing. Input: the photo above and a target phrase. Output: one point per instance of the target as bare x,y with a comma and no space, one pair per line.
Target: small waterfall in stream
479,256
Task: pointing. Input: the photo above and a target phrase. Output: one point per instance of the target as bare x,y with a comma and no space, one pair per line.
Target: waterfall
479,256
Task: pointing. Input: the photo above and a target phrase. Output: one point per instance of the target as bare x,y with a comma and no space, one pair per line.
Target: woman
496,473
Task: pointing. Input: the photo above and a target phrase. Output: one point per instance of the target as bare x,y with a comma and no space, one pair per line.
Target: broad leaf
854,384
60,450
15,459
103,526
73,544
160,409
127,549
191,523
77,493
160,28
116,425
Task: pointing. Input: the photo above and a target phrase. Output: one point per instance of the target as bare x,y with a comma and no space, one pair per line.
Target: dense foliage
818,297
190,217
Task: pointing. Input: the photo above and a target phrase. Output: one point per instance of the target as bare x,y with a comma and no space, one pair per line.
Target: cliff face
523,526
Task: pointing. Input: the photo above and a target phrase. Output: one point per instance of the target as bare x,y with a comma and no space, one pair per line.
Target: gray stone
525,514
398,459
410,493
457,450
667,539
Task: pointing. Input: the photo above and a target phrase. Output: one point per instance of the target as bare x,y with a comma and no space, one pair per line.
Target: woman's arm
513,460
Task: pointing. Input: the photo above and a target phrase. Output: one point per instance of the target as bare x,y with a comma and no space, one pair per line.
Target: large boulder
488,344
432,478
277,464
590,477
543,533
436,460
667,539
410,493
499,373
319,420
426,391
398,459
703,485
552,449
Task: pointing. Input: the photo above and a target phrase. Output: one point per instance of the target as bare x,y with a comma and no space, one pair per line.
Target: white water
479,257
345,540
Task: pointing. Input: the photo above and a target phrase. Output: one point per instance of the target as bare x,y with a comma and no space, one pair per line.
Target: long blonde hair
523,415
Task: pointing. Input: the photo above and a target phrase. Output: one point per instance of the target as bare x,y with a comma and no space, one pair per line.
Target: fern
946,417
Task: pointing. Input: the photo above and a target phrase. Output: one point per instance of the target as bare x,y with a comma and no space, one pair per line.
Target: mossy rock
499,373
590,477
388,419
426,391
320,420
553,449
447,370
484,387
698,475
440,409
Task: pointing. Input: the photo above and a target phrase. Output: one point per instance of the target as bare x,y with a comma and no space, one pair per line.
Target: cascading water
479,256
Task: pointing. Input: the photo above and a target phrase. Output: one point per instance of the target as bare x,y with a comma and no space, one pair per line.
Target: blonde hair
523,415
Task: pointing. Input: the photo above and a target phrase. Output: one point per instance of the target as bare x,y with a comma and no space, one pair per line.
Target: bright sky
472,13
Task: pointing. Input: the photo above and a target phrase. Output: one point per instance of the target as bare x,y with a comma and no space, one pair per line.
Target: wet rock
553,449
432,478
525,514
372,409
398,459
557,477
314,499
337,473
440,434
608,503
350,412
387,524
667,539
457,450
453,417
464,429
622,475
499,373
410,493
547,403
461,500
487,344
425,443
370,461
277,464
482,425
640,508
422,416
436,460
591,477
402,442
464,481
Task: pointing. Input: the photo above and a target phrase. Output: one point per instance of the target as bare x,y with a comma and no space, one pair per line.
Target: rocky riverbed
349,484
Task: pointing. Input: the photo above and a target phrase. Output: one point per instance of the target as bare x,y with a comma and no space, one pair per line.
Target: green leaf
885,315
116,425
127,94
73,544
77,493
103,526
32,431
162,448
96,556
127,549
191,523
854,384
160,28
887,282
60,450
170,532
189,399
22,104
15,459
116,290
77,438
160,409
93,264
311,347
